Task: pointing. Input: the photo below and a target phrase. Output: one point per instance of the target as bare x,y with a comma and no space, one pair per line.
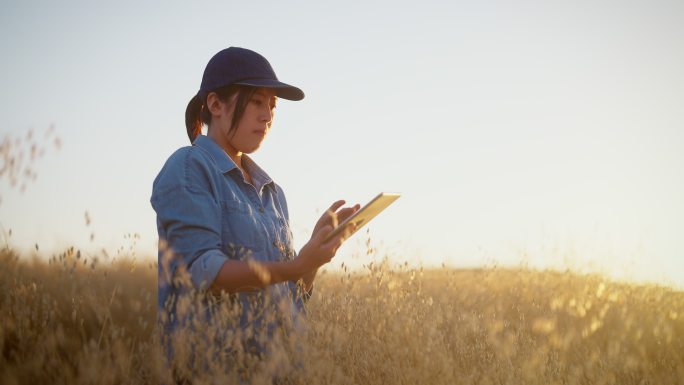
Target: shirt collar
225,164
219,156
258,174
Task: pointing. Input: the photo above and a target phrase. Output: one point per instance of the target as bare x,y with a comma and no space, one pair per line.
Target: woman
223,223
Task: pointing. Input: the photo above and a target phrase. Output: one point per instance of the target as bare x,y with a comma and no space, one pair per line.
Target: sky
544,134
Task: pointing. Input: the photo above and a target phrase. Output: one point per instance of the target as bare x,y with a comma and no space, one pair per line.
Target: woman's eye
260,102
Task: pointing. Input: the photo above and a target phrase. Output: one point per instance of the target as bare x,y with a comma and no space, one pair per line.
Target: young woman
223,223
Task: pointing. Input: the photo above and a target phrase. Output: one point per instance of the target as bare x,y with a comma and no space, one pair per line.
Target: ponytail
193,122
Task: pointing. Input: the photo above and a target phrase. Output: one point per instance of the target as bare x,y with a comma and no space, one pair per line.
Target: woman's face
253,126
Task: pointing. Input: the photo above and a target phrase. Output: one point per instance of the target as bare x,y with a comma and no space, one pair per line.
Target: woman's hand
317,253
332,217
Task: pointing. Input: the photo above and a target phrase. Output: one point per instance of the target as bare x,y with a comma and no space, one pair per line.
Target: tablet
365,213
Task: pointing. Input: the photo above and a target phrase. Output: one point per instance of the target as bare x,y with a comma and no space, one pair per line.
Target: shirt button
261,210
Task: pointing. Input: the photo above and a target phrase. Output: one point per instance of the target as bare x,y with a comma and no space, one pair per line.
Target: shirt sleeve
189,216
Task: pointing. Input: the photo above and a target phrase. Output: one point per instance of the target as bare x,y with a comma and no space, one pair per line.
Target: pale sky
543,133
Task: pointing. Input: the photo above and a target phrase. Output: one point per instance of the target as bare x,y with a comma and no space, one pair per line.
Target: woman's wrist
308,279
299,269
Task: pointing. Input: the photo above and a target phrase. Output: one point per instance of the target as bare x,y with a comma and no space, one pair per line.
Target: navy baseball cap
239,66
236,65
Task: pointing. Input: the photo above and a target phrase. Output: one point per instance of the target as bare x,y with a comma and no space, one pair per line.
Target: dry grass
76,321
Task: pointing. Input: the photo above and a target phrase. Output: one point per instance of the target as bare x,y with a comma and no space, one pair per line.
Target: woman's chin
251,149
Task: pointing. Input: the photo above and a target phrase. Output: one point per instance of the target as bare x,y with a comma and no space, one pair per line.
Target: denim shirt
207,214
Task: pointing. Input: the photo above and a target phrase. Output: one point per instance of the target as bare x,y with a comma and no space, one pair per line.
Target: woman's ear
214,104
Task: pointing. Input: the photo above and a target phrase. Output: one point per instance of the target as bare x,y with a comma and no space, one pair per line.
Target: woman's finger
336,205
322,233
330,212
347,212
330,217
339,239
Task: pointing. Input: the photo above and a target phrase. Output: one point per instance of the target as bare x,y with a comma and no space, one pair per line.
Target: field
77,320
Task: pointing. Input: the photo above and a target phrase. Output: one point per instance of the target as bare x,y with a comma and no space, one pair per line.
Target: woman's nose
267,115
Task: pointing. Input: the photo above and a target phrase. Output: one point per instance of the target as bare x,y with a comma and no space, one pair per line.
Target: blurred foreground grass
74,321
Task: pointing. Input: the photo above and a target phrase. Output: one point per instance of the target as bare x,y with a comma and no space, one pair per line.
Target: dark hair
197,114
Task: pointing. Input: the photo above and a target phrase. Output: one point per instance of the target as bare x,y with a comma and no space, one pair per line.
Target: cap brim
282,90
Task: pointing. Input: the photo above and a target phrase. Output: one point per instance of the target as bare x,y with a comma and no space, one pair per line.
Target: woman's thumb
323,232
